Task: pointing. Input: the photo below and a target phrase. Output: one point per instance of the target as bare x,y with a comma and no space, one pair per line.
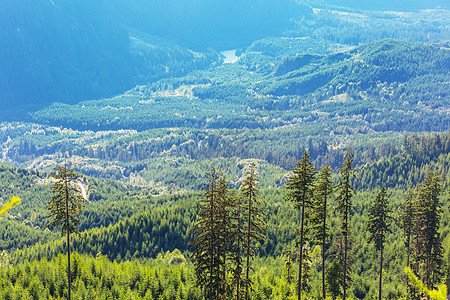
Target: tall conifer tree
64,206
300,188
237,242
322,193
406,224
211,237
345,193
223,233
429,215
254,226
378,227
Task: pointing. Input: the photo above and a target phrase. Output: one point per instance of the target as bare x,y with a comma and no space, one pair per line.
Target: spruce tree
406,224
322,192
429,215
237,241
223,233
253,222
300,188
345,193
210,238
378,226
418,237
64,206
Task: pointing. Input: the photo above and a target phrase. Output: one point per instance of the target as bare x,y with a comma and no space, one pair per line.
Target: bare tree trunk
247,276
324,295
408,263
69,275
301,253
212,242
238,279
68,244
381,274
345,264
238,290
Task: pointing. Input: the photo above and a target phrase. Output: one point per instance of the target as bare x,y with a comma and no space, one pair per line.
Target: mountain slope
391,85
71,51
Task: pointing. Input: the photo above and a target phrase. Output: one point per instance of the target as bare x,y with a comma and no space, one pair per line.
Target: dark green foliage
237,245
410,167
167,277
407,216
428,245
15,235
421,216
378,227
300,187
138,225
210,240
343,253
345,193
226,232
379,218
64,208
253,223
223,234
66,202
144,235
322,194
306,270
334,279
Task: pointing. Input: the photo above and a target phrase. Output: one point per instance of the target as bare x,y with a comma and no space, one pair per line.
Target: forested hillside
126,224
387,85
272,104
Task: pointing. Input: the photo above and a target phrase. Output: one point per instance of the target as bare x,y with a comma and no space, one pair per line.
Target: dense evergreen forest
133,244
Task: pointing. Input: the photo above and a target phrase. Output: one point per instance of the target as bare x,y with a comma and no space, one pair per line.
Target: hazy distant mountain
63,50
390,85
69,51
208,23
59,50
